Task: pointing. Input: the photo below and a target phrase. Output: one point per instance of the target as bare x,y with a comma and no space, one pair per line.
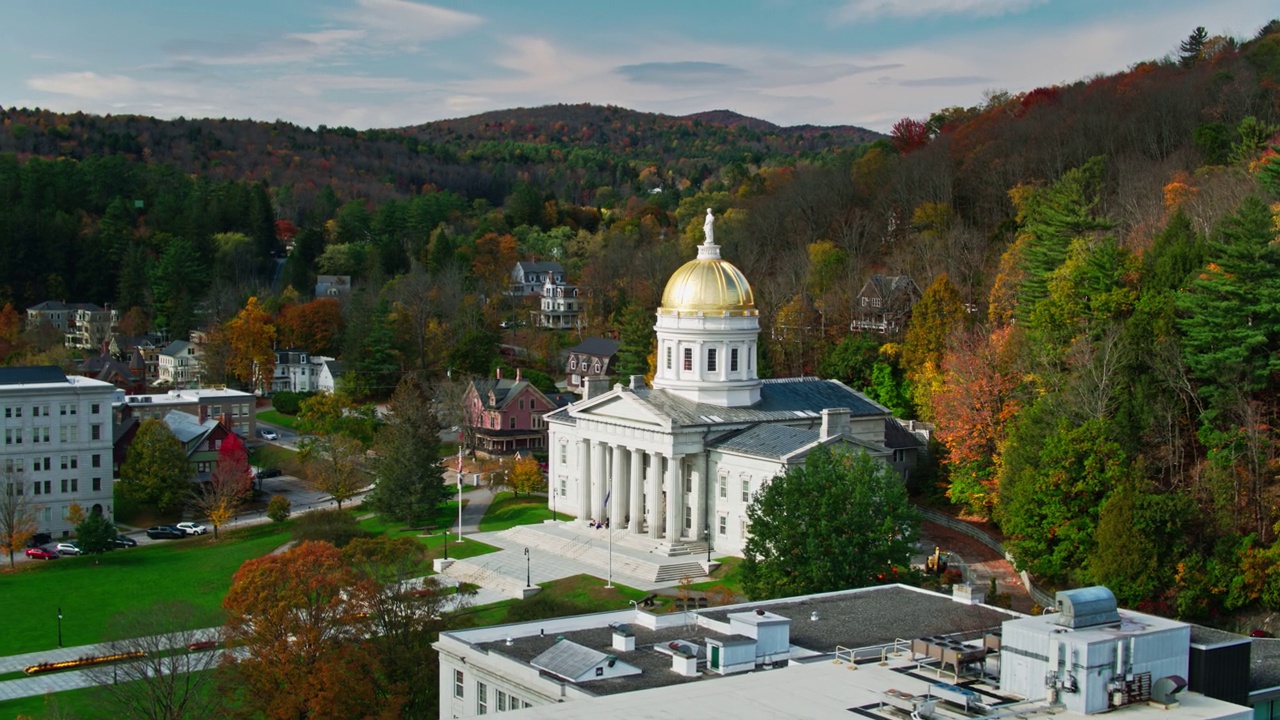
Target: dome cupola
707,331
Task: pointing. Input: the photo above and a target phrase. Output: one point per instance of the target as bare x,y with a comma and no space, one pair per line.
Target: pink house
505,415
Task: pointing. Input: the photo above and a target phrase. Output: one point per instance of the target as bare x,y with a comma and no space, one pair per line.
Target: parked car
67,549
39,553
39,540
165,532
191,528
125,541
265,473
268,435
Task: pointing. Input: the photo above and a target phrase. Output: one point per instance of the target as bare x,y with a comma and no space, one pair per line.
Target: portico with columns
675,464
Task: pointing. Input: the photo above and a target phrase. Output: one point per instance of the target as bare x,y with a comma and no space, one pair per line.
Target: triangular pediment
620,407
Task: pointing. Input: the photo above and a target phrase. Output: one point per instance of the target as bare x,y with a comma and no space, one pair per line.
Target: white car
66,549
191,528
268,434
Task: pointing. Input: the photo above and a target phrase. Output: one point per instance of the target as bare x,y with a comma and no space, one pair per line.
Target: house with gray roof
527,278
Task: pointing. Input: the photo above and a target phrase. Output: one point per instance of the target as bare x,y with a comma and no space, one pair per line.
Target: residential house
128,376
335,286
909,441
202,439
84,325
560,307
145,349
505,415
527,278
178,364
299,371
57,442
884,304
591,357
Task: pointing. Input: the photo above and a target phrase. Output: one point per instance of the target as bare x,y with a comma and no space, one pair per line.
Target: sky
393,63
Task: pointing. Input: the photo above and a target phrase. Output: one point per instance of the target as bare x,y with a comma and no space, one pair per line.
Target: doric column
696,500
675,499
635,481
655,496
597,482
584,480
618,482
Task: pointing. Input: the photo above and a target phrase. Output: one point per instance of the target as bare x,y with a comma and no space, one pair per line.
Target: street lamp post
528,569
445,534
59,627
706,533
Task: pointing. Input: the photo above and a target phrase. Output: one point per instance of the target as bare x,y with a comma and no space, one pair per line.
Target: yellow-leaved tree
251,338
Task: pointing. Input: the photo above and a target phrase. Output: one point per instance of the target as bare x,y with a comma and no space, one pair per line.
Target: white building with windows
57,443
679,461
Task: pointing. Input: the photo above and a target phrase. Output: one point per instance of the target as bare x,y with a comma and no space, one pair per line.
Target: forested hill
569,150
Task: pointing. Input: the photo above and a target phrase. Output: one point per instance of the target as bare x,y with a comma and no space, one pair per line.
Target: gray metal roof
187,427
568,659
769,441
175,348
780,400
602,347
897,437
32,375
542,266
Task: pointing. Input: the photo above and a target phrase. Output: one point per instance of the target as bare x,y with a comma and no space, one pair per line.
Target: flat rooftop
827,689
853,619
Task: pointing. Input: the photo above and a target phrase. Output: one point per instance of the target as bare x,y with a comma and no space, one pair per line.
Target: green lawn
272,456
194,569
728,575
567,596
433,539
278,418
85,704
508,511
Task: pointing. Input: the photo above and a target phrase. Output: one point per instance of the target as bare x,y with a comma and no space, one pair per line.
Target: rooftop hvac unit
1086,607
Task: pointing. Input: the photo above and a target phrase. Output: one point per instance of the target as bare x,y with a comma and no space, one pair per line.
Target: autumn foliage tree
301,619
251,337
155,469
978,397
526,475
909,135
230,484
315,326
18,520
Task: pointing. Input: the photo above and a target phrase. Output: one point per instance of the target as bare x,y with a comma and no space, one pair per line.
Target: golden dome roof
708,284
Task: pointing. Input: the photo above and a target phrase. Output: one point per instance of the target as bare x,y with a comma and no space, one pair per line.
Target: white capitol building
709,428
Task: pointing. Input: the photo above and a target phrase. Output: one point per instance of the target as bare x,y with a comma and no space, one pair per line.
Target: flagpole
459,493
609,529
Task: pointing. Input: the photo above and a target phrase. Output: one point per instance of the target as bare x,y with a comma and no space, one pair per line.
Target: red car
39,553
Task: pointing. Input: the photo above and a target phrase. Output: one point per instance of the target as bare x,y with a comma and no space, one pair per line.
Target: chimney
637,382
835,421
594,387
624,640
499,373
517,374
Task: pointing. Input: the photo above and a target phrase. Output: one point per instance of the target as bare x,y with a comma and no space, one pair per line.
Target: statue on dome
708,228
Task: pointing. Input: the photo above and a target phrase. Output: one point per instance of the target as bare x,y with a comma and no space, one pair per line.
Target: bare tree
18,521
174,678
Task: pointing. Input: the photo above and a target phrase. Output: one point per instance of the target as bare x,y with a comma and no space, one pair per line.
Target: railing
1041,598
851,655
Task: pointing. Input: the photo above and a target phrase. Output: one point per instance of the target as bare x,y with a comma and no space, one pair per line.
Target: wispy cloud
866,10
681,73
948,81
406,22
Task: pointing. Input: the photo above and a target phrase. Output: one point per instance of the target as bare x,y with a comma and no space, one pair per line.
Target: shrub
288,402
336,527
278,508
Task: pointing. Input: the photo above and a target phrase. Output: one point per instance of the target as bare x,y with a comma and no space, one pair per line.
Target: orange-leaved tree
230,484
315,326
975,404
526,475
251,338
300,620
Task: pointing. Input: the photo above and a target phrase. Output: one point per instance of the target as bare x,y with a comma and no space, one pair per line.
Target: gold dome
708,284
